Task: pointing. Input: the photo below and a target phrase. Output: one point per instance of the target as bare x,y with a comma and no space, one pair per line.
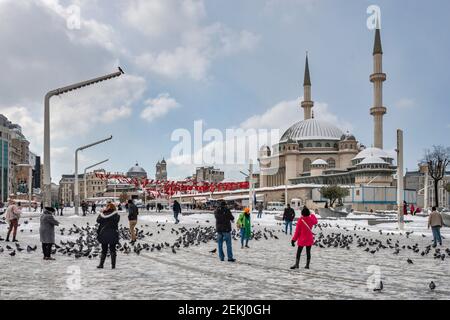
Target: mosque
313,151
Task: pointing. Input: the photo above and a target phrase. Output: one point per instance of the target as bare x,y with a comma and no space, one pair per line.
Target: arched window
345,146
301,145
309,145
331,163
327,145
306,165
318,145
336,146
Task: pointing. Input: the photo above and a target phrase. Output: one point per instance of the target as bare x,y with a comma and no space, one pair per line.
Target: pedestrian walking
260,208
12,217
176,211
223,227
288,218
84,207
304,236
132,219
93,208
47,232
56,206
108,234
148,206
42,206
62,208
435,222
245,227
405,208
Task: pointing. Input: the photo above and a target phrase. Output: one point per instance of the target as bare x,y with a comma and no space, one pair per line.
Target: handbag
308,227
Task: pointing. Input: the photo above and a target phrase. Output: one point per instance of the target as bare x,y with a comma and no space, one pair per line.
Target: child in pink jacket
304,236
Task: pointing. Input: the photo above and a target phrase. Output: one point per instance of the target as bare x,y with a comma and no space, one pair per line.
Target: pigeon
13,253
432,286
379,288
213,250
173,250
410,261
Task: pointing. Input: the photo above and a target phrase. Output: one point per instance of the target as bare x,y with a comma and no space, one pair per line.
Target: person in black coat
108,233
176,211
288,218
223,227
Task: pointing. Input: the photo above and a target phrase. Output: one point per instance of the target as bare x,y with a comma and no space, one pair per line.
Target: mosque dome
136,172
372,160
372,152
348,137
312,129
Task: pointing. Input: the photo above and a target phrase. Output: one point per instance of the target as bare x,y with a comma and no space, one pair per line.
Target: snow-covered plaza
261,272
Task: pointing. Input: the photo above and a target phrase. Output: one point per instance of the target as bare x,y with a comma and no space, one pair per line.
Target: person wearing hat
244,225
108,233
47,232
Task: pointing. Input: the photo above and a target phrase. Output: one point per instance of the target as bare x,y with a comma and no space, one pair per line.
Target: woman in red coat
304,236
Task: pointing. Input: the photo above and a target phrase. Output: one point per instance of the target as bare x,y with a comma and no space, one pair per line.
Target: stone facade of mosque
318,152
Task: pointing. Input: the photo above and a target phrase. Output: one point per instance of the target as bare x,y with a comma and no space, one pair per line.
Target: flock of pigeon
81,241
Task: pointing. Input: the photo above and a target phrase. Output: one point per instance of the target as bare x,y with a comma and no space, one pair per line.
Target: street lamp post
85,172
57,92
250,187
75,187
30,177
400,179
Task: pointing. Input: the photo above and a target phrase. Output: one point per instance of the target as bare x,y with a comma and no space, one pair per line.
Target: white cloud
286,113
32,129
405,103
159,18
279,117
183,61
78,112
159,107
182,44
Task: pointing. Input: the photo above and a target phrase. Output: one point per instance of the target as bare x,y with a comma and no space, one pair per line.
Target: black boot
297,258
295,266
113,260
307,263
102,261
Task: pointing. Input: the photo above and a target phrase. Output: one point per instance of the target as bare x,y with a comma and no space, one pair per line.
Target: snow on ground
262,272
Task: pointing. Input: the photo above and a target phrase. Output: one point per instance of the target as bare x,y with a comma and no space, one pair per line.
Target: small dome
136,171
372,160
264,148
348,137
372,152
319,162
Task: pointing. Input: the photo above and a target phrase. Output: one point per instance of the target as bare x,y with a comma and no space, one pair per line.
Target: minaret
307,104
377,78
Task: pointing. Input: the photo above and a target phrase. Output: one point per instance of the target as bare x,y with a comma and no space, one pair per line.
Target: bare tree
437,159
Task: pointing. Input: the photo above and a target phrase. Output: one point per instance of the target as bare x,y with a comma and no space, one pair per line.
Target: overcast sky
229,63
